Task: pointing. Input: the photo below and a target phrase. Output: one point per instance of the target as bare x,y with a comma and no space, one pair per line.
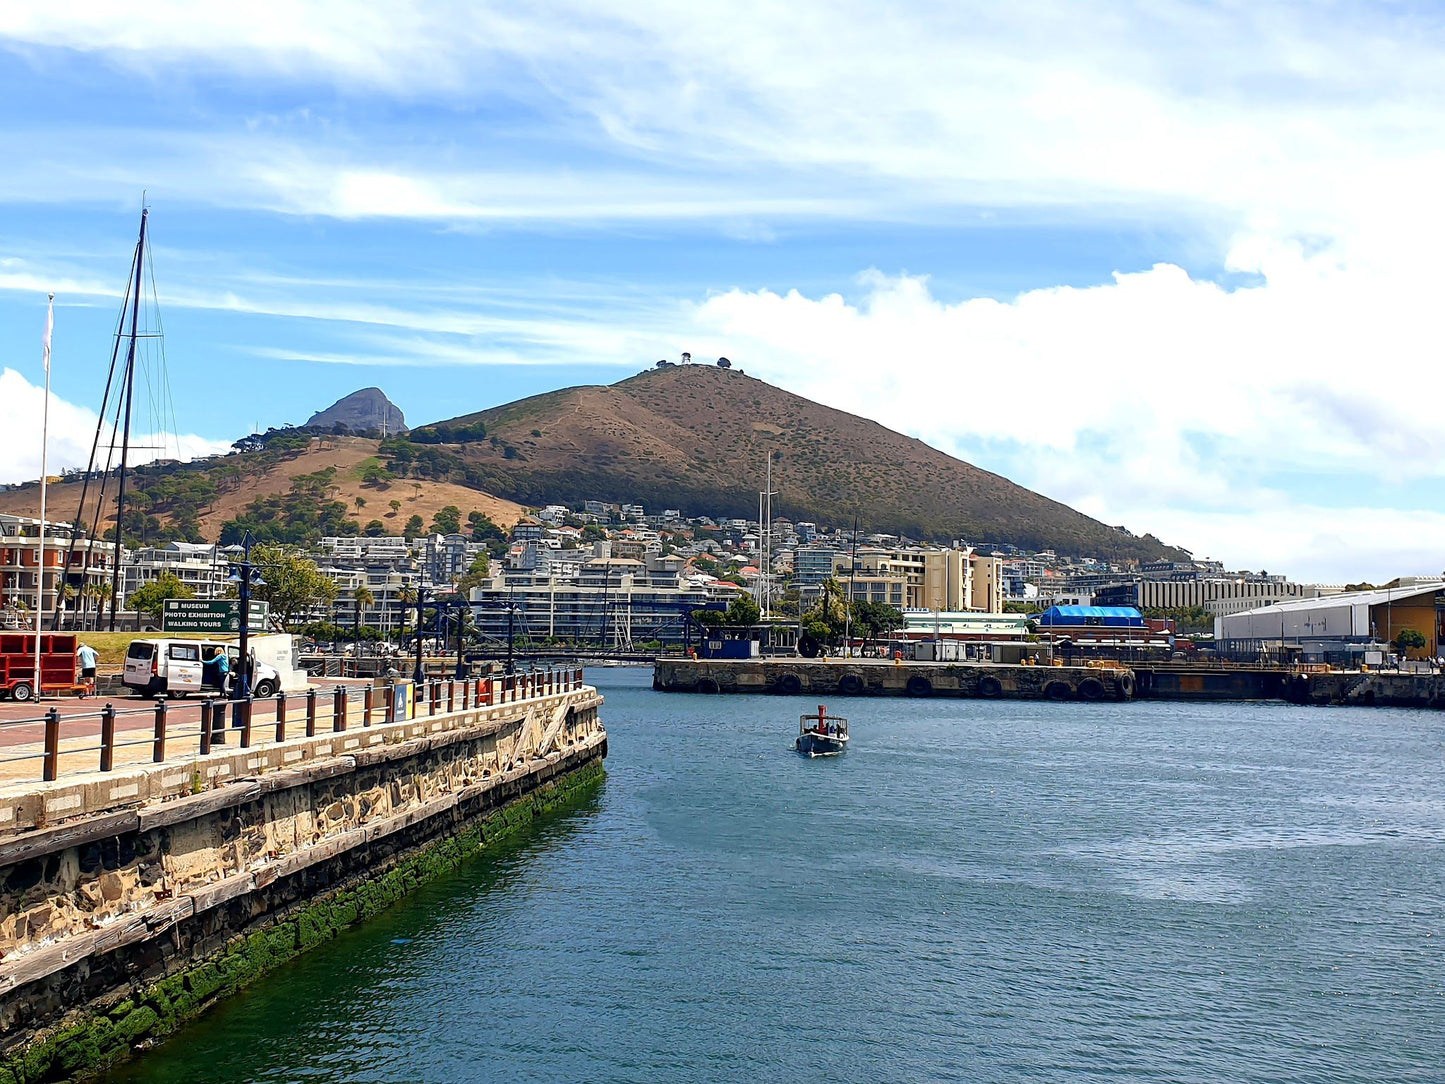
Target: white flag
49,327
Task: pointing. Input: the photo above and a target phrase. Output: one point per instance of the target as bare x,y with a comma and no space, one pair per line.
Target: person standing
87,657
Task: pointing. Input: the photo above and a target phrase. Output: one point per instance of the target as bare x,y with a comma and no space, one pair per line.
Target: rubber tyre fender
990,687
851,685
918,685
789,685
1091,689
708,685
1058,690
1126,687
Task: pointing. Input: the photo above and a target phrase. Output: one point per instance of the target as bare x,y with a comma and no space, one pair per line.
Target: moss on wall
84,1046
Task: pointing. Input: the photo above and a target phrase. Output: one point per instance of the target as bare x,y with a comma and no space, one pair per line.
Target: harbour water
977,891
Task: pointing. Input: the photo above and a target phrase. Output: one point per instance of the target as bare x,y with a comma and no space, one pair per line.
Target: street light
418,675
245,576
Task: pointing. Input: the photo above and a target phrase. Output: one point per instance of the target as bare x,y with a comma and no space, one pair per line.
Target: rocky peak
364,411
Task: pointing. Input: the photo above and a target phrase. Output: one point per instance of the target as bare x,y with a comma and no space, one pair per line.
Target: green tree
1409,640
448,520
743,611
708,618
872,620
414,527
293,585
150,599
374,529
475,575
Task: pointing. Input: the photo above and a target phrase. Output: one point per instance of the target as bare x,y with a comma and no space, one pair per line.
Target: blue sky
1173,263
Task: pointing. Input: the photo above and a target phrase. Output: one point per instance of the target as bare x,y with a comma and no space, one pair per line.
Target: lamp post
245,576
418,675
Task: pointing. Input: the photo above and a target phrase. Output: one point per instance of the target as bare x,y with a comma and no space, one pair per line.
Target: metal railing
211,723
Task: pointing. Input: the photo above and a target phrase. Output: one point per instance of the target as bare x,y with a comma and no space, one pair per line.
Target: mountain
695,438
364,411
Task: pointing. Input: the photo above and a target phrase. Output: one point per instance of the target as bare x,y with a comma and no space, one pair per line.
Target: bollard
280,716
107,737
158,747
205,727
311,713
338,710
245,706
51,763
366,706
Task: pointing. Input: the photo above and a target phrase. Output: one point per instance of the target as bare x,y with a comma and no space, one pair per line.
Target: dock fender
1091,689
918,685
851,684
1058,690
789,685
990,687
1126,687
707,685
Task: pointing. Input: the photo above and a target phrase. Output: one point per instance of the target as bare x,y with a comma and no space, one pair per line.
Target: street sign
210,615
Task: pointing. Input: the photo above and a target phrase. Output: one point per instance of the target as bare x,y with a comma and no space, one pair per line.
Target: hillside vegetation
696,437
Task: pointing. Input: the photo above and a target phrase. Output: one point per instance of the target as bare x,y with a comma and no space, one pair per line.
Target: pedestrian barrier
170,725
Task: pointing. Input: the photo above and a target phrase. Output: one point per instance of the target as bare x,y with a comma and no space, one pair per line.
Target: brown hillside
695,437
347,454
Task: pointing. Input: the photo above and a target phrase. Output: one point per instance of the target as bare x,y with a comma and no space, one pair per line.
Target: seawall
868,677
125,920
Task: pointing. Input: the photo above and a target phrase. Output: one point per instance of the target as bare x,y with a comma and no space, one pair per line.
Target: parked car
176,667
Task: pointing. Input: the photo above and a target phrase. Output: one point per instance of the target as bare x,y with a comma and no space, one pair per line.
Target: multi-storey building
88,572
201,566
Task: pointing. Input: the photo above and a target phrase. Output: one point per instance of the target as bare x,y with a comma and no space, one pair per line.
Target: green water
977,891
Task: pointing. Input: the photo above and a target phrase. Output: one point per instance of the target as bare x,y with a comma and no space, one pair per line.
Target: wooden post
280,716
451,696
366,706
432,693
244,706
311,713
389,698
107,737
158,747
338,709
206,709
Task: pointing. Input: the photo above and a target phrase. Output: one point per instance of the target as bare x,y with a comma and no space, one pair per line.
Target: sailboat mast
129,392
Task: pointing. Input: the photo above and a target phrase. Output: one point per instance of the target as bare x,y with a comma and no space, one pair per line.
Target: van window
140,649
185,652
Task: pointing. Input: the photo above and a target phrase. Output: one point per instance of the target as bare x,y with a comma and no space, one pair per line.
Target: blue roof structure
1106,616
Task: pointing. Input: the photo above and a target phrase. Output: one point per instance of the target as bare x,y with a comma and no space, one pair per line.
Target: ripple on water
976,892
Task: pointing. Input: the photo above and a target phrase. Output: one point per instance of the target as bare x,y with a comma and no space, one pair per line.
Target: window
139,649
185,652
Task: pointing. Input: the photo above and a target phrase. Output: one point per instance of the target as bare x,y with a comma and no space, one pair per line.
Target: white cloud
72,429
1158,401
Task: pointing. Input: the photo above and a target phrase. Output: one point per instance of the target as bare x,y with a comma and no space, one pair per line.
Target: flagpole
44,470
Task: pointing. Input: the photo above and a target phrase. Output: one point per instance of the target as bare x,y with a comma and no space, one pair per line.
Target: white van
177,667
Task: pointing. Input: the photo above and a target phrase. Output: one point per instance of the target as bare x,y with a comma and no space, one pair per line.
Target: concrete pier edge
97,1036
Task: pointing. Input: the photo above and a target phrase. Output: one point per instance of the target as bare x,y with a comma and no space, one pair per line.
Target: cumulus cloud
1156,400
72,428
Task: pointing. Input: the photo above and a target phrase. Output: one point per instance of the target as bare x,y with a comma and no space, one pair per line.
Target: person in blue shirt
87,657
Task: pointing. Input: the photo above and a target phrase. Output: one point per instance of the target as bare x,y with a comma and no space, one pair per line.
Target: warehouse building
1339,628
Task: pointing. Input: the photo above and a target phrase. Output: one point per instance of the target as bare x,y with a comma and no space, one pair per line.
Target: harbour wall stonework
119,924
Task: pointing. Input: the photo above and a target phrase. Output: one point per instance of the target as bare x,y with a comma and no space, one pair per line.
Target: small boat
821,735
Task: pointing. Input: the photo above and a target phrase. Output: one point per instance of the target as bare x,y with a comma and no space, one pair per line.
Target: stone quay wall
864,677
131,916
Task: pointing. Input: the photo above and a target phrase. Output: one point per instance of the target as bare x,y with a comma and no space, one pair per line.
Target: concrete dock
880,677
135,896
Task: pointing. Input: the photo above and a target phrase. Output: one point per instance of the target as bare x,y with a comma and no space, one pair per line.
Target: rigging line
78,525
168,399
